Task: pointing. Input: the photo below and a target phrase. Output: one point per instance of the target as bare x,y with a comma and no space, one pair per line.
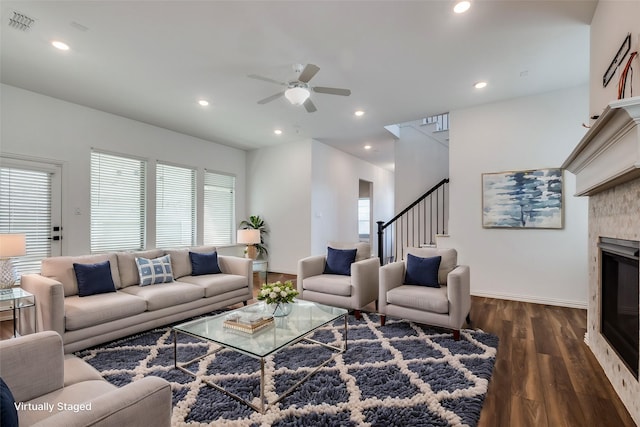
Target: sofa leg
244,303
456,334
383,319
469,319
376,305
357,314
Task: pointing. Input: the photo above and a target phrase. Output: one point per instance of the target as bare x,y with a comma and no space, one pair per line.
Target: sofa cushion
8,413
82,312
154,271
180,262
216,284
422,271
339,261
421,298
363,250
204,263
448,262
335,284
128,267
166,295
94,279
60,268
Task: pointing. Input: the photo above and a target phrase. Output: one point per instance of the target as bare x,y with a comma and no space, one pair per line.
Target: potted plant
256,223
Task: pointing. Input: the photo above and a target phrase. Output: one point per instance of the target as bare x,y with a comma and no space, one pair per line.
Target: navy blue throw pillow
422,271
8,412
339,261
204,263
94,278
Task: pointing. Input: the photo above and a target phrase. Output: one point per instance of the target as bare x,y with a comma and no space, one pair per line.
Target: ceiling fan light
297,95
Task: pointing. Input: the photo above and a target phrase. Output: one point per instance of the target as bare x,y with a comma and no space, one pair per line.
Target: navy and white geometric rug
401,374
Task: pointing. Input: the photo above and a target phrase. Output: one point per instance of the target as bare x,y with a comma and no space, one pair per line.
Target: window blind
117,203
175,206
25,207
219,208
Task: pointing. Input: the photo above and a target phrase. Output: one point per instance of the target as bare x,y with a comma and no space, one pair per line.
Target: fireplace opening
620,320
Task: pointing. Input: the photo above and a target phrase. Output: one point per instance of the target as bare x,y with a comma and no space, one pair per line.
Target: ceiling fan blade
309,106
270,98
265,79
332,91
307,74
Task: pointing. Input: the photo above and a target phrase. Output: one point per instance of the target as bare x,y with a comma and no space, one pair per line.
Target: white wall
40,127
421,162
611,22
543,266
334,201
279,183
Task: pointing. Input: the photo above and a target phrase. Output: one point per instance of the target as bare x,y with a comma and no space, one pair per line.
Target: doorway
365,211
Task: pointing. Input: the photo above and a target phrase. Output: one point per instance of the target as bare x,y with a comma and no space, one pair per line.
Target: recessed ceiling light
203,102
480,85
367,147
462,6
60,45
359,113
278,132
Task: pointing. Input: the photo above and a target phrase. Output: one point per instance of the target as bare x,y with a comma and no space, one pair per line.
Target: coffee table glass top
305,317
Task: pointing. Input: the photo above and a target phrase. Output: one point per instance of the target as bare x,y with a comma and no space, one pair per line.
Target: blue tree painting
524,199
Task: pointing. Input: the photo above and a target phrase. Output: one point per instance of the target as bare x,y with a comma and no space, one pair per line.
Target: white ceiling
403,60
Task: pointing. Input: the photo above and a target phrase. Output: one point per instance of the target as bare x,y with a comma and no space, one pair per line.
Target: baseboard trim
535,300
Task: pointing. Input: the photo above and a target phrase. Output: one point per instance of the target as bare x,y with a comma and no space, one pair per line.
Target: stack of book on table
249,323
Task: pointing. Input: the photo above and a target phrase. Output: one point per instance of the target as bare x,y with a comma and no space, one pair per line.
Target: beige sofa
53,389
91,320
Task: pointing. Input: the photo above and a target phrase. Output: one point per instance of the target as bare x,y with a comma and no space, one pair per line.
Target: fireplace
620,305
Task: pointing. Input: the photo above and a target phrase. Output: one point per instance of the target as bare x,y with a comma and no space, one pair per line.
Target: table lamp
11,245
249,237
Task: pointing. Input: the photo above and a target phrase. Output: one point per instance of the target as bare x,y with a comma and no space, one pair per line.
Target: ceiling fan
298,91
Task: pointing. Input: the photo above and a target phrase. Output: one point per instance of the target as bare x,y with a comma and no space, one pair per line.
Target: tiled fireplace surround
607,167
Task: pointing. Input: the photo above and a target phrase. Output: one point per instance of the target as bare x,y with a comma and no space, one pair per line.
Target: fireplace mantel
609,153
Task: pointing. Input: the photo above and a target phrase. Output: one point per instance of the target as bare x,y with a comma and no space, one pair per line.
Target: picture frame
523,199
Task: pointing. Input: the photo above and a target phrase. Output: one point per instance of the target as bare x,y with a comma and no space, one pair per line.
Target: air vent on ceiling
21,22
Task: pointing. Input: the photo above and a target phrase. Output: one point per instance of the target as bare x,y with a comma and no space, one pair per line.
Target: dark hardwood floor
544,375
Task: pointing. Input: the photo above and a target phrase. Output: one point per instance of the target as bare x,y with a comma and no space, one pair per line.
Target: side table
260,266
16,299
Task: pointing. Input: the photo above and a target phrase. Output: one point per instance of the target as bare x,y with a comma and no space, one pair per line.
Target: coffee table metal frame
299,309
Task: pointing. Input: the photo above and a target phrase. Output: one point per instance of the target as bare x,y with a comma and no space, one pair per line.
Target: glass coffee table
305,318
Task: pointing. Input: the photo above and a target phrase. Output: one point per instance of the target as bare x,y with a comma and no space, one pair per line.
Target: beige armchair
352,291
40,375
446,306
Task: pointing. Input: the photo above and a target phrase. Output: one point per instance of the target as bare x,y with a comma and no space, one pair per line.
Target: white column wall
542,266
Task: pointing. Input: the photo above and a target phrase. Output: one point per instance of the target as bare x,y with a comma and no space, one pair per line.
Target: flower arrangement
278,293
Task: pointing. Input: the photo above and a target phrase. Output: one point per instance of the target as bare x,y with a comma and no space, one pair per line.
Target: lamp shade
297,95
12,245
248,237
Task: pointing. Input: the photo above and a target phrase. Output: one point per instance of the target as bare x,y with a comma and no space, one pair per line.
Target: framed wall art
523,199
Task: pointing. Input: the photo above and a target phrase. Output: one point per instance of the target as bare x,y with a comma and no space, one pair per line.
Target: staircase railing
416,225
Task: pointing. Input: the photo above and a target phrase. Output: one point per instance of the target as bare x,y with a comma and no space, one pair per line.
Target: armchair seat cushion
334,284
420,297
82,312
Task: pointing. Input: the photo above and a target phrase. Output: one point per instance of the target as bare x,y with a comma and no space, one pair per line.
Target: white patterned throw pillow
153,271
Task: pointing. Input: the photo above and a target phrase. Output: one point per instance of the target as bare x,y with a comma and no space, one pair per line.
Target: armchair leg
383,319
376,302
456,334
469,319
357,314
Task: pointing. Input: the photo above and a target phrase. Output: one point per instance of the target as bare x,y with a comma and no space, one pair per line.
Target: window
219,208
364,219
175,206
25,207
117,203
